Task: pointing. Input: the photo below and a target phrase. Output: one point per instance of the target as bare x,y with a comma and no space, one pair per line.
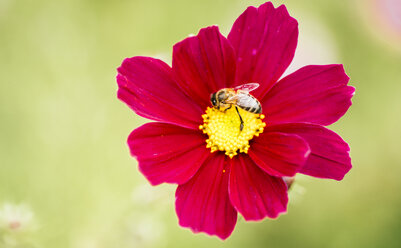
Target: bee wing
241,96
232,99
247,87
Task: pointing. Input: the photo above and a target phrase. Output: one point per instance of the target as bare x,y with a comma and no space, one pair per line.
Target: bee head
213,99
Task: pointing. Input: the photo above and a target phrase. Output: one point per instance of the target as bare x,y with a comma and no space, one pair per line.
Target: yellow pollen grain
223,129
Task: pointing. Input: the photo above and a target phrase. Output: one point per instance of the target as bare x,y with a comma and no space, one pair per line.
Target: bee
239,97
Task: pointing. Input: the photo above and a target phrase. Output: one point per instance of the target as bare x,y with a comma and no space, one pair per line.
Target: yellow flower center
225,134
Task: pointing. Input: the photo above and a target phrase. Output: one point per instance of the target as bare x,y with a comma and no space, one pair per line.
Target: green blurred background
66,175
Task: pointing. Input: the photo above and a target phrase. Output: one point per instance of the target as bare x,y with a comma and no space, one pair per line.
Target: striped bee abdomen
249,103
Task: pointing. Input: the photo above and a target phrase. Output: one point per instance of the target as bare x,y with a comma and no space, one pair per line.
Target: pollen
225,134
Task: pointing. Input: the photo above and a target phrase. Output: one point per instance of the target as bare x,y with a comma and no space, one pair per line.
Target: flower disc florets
223,129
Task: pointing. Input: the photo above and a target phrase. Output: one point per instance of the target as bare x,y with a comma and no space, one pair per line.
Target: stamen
223,129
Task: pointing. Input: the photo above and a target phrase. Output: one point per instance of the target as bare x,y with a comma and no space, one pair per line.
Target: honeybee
239,97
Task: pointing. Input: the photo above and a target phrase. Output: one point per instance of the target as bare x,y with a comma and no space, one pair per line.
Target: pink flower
213,187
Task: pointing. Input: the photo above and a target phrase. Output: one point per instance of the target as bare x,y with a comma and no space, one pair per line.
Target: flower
219,168
17,224
16,217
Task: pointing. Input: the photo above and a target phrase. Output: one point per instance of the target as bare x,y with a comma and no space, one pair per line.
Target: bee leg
227,108
241,126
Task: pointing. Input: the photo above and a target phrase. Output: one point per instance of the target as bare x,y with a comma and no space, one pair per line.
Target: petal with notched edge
254,193
167,153
203,204
203,64
264,40
279,154
146,85
316,93
329,157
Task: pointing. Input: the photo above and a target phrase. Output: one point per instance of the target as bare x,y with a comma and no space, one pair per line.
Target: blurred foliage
63,131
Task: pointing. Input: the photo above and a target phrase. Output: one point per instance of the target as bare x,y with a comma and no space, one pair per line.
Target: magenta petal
203,204
317,94
167,153
329,156
254,193
279,154
264,40
204,64
147,86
